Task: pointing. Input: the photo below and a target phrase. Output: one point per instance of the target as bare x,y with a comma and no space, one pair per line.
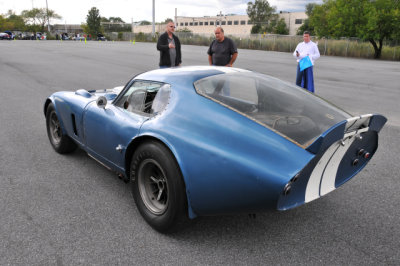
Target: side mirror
101,102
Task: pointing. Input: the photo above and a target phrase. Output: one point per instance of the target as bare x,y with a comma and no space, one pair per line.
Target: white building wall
293,20
232,24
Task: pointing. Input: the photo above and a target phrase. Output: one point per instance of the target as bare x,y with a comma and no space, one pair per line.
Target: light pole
48,21
154,18
219,19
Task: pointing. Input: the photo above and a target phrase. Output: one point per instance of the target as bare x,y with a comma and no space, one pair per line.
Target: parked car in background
78,38
205,140
4,36
41,36
100,37
10,33
64,36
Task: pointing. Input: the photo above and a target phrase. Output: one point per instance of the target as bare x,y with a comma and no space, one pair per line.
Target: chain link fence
346,47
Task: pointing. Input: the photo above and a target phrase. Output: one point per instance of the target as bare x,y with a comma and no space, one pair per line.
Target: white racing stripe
323,177
312,190
330,173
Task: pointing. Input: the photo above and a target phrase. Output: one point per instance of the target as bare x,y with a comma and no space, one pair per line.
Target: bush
284,43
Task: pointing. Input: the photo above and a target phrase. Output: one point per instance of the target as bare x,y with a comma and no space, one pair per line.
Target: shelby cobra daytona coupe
198,141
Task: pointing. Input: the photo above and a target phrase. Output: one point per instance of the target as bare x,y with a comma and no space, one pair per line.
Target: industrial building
232,24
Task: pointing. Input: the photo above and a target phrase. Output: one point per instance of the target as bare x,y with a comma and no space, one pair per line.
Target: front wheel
60,141
157,187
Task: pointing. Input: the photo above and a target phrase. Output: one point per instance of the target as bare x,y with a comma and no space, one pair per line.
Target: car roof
185,75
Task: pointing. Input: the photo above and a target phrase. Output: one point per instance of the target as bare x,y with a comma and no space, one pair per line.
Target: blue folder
305,63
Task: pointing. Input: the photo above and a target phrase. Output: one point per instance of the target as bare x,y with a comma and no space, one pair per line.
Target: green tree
256,29
93,19
382,21
38,17
373,21
3,23
281,27
145,22
116,20
185,29
260,12
17,21
167,20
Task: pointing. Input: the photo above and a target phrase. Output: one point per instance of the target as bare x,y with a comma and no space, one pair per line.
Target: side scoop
340,153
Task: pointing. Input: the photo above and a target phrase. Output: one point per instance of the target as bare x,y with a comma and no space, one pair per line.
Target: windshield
287,109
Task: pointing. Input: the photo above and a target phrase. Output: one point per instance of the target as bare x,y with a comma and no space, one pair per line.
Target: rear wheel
60,142
158,187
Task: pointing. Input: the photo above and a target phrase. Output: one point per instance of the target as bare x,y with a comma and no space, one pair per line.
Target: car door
108,131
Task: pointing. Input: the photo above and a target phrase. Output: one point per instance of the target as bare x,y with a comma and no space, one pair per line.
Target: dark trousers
305,78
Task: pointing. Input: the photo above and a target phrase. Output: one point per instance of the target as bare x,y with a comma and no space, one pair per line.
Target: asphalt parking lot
69,210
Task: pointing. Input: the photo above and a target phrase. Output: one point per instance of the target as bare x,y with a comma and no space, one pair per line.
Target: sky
75,11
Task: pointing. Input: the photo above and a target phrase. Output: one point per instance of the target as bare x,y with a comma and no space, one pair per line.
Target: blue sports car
197,141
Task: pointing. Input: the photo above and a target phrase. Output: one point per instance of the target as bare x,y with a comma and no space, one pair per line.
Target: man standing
222,51
170,47
305,78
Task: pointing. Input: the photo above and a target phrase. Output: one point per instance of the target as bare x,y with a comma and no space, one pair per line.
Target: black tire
158,187
60,142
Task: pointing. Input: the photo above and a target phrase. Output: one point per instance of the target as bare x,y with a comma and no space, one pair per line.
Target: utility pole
219,19
48,20
176,17
154,18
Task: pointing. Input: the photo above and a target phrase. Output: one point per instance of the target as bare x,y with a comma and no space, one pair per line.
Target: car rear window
285,108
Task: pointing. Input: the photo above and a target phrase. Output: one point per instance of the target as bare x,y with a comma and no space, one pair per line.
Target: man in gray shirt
222,51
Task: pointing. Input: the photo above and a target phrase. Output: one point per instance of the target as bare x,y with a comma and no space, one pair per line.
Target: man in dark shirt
170,47
222,51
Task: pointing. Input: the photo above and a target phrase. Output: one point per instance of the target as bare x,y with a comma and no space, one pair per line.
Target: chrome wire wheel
153,186
55,128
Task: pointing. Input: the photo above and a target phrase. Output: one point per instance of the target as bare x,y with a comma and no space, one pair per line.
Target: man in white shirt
305,78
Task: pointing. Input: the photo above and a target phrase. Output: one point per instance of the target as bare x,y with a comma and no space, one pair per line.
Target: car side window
145,97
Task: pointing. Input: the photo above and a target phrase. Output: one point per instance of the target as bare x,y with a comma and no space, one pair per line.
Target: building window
181,23
196,24
190,23
230,22
249,22
211,23
201,23
223,22
186,23
236,22
206,23
298,21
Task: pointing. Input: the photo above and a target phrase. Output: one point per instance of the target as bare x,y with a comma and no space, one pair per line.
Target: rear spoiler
340,153
347,128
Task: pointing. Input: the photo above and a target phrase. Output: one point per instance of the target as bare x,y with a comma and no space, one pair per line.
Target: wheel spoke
155,180
159,194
